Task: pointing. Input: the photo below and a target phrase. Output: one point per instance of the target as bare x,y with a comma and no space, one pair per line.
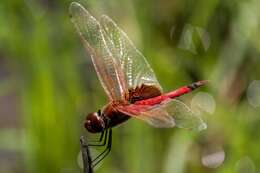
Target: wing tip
74,4
106,20
75,8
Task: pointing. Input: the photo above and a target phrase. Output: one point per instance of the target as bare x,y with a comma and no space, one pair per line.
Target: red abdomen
159,99
171,95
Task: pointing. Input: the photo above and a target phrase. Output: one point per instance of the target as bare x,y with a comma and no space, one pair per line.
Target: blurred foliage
45,69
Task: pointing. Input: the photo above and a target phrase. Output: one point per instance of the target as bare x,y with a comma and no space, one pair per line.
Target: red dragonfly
128,80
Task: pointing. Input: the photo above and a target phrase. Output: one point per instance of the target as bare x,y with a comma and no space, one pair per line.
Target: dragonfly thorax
94,122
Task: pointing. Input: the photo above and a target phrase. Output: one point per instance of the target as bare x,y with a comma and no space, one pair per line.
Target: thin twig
87,162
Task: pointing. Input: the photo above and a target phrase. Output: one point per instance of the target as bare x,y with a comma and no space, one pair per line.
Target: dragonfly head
94,122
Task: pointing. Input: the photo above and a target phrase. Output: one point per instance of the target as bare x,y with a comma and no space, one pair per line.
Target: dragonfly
129,82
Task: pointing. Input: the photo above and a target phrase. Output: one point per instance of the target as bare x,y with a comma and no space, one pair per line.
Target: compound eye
94,123
87,125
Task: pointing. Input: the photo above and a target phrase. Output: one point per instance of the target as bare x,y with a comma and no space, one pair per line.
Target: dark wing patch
143,92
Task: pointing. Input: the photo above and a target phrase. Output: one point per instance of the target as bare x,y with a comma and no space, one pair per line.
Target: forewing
166,114
109,73
135,68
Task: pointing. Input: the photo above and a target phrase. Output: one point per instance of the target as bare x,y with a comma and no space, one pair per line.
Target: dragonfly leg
102,155
87,162
99,142
101,137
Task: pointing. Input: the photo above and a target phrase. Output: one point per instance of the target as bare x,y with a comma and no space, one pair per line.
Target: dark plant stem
87,161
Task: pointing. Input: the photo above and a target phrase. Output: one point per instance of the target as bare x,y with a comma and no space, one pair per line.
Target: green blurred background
48,84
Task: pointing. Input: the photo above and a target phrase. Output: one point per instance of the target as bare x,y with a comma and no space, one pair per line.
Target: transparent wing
109,73
136,69
169,113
